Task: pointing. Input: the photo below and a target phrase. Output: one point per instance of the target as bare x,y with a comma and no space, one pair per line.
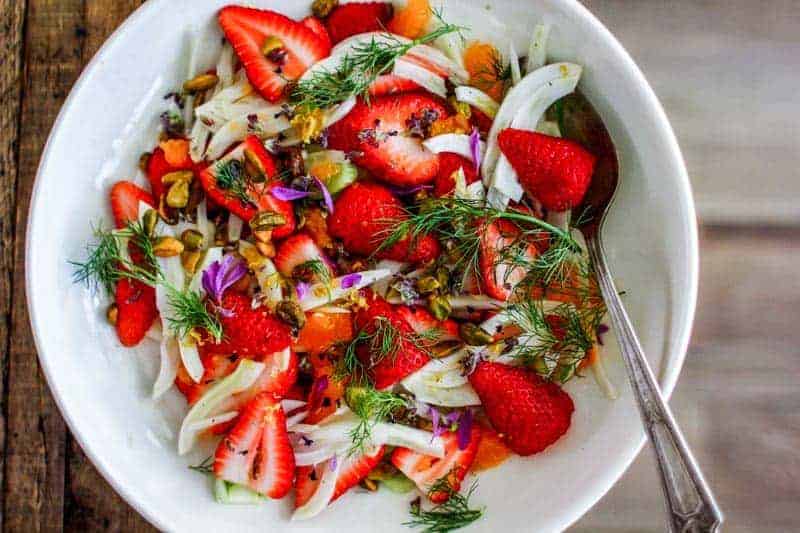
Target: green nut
203,82
112,314
149,221
177,177
267,220
443,276
190,260
474,335
192,239
253,167
291,313
144,161
178,195
271,44
323,8
167,247
427,285
353,395
439,307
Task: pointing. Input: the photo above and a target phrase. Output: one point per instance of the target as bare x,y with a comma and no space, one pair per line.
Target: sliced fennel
168,366
235,226
235,494
421,76
241,379
320,294
513,62
537,52
225,64
454,143
322,496
477,99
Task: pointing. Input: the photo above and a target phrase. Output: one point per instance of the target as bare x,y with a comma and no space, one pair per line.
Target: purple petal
475,148
602,329
219,276
452,418
225,313
326,194
464,429
435,418
334,462
302,289
320,385
350,280
288,195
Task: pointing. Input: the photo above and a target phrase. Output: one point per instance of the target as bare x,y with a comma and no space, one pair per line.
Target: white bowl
103,389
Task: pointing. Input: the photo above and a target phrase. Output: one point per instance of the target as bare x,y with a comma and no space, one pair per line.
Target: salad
355,249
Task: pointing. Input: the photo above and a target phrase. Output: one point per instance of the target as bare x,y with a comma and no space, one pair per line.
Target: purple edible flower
288,195
435,415
602,329
219,276
302,289
334,462
320,385
464,429
326,194
475,148
408,191
350,280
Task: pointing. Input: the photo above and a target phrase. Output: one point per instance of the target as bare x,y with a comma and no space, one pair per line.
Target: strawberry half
257,453
136,310
363,216
298,249
352,470
125,198
351,19
248,29
408,358
386,137
318,27
422,322
449,164
528,412
557,172
498,276
390,84
260,198
425,470
248,332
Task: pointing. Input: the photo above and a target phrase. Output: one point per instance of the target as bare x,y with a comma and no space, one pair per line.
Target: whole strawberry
249,332
364,216
557,172
529,413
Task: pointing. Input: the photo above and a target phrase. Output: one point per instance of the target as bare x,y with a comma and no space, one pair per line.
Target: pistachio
199,83
427,284
251,255
177,177
474,335
168,214
439,306
149,221
196,196
253,167
192,239
443,276
264,235
291,313
190,260
112,314
267,249
144,161
267,220
323,8
178,195
167,247
271,44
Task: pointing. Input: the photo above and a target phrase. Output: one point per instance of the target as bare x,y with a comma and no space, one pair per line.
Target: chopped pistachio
291,313
190,260
323,8
267,249
167,247
267,220
149,221
474,335
178,195
192,239
112,314
271,44
439,307
427,285
253,167
199,83
177,177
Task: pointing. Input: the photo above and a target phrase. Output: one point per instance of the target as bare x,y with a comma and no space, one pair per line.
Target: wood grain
12,15
35,444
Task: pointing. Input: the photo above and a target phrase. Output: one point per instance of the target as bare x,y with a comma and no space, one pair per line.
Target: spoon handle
690,504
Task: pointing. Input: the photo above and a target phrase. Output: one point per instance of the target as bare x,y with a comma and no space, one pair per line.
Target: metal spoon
690,504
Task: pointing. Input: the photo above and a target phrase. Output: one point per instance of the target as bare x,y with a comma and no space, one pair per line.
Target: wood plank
35,447
12,16
737,398
91,504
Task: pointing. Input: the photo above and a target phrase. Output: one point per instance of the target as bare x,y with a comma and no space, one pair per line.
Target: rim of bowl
669,376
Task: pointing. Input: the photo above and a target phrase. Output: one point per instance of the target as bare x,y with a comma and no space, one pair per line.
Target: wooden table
737,398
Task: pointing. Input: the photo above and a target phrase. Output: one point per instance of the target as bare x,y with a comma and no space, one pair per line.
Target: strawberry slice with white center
125,198
291,49
425,470
423,323
385,137
300,249
351,471
498,275
391,84
257,453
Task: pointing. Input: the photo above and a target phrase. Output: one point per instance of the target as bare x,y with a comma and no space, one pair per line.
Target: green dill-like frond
205,467
453,514
359,68
350,366
190,312
232,178
100,269
370,406
318,269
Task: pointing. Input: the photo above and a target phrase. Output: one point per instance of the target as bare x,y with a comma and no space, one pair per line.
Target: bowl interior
103,389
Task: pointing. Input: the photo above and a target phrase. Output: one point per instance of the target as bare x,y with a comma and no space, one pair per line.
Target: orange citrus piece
412,20
491,451
485,67
176,151
323,330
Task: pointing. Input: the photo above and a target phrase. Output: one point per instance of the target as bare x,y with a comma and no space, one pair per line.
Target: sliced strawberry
422,322
390,84
528,412
425,470
365,214
351,19
318,27
259,193
352,470
249,332
557,172
257,453
125,198
136,310
408,357
247,30
298,249
498,276
449,164
386,137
